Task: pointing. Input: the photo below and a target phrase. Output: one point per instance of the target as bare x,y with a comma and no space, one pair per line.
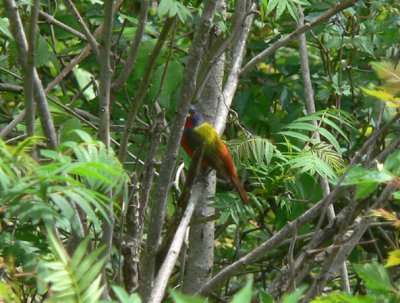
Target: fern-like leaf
253,150
75,280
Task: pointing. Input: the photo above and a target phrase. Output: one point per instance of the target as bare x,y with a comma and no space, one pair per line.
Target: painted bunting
216,153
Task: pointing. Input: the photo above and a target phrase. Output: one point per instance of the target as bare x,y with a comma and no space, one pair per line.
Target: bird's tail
242,193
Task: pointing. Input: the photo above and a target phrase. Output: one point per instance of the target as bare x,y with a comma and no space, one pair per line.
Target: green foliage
374,276
124,297
369,179
390,76
245,294
72,281
181,298
254,150
172,8
242,296
377,281
33,193
353,61
37,192
282,5
295,296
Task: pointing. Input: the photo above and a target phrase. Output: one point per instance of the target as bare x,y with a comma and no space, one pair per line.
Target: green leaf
280,8
301,126
253,150
124,297
374,276
292,9
4,28
93,292
271,5
265,297
173,8
336,296
336,127
365,189
365,44
42,49
7,294
295,296
394,258
79,253
181,298
294,135
301,2
359,175
83,77
331,139
245,294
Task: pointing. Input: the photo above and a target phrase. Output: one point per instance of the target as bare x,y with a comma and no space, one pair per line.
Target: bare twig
12,88
143,89
22,47
89,37
85,52
104,115
105,75
135,229
341,252
29,68
233,74
77,113
50,19
286,40
220,47
133,50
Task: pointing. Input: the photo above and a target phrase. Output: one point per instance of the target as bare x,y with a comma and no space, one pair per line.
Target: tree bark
164,181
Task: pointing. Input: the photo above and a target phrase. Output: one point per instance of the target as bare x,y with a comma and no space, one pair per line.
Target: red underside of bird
216,153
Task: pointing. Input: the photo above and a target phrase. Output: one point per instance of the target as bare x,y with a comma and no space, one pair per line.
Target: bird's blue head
195,116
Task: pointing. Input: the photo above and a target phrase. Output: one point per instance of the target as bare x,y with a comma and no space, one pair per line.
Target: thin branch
105,75
232,81
89,37
220,47
143,89
51,20
104,117
29,68
85,52
165,271
54,46
12,88
134,48
77,113
341,252
22,47
138,210
286,40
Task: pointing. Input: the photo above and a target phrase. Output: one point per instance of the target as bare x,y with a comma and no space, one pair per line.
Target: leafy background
50,196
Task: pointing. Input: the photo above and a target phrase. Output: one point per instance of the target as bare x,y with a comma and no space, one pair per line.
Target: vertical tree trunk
201,237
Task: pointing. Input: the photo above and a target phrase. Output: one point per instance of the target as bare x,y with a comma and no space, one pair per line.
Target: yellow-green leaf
394,258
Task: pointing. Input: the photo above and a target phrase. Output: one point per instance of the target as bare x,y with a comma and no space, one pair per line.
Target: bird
216,153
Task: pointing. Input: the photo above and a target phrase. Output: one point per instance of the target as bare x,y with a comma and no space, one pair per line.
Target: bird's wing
216,153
